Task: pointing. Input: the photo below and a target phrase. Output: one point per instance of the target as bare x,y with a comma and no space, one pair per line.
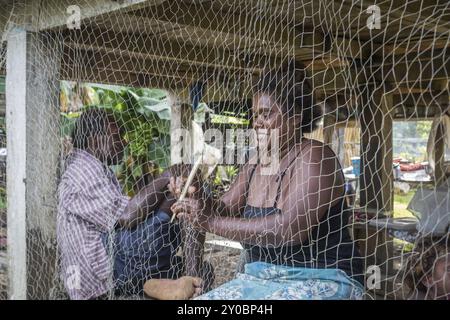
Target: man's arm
144,202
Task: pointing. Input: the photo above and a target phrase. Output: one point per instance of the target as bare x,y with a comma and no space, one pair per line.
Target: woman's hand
191,211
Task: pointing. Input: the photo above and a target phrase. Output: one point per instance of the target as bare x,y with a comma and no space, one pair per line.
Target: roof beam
45,15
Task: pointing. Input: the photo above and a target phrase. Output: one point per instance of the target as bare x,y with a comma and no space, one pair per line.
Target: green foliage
2,198
144,118
224,176
424,129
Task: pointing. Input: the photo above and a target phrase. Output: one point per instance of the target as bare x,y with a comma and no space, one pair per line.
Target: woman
296,216
427,271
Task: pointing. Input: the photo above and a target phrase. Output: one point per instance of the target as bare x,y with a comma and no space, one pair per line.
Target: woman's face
268,116
441,277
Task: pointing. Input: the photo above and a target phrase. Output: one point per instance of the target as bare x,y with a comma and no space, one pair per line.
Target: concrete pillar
33,143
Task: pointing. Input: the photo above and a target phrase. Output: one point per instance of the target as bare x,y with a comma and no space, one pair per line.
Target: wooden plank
161,49
415,112
376,180
253,25
407,46
439,145
124,78
249,32
416,71
425,15
53,14
426,99
5,19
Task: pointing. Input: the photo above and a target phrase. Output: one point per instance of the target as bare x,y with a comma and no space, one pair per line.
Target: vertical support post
439,143
33,142
376,179
181,147
329,122
16,163
439,153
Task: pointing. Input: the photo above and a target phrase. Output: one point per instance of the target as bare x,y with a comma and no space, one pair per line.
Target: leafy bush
142,114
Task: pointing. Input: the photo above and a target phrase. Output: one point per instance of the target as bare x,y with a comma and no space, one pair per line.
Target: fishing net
235,84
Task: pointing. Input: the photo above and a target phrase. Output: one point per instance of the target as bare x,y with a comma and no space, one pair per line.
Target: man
92,206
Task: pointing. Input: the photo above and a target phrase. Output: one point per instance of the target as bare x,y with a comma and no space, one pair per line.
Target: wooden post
439,153
439,145
376,179
33,142
329,122
180,151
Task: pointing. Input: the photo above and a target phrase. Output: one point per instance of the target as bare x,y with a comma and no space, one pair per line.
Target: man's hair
292,90
91,123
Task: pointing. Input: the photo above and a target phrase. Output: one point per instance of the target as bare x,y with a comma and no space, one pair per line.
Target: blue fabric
144,252
264,281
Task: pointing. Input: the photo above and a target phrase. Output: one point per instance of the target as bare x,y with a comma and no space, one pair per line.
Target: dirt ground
224,261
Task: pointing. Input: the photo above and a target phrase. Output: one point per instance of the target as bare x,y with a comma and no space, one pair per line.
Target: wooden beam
5,17
415,112
160,49
123,78
253,26
337,80
416,71
410,90
408,46
427,99
376,180
439,143
248,33
425,15
53,14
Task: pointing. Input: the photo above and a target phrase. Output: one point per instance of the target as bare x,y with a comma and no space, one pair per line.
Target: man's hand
176,185
178,177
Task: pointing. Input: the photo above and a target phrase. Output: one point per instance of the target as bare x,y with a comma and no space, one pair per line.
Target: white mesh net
322,129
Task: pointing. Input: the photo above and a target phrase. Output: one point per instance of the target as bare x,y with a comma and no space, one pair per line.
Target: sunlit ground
400,204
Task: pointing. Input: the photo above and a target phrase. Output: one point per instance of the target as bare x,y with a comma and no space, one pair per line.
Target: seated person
427,271
92,206
293,221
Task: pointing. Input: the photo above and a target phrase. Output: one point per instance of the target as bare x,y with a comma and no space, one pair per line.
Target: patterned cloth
90,204
264,281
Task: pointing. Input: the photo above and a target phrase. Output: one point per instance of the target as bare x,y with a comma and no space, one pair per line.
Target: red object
411,167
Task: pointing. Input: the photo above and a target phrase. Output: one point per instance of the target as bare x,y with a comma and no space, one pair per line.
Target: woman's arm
232,202
315,185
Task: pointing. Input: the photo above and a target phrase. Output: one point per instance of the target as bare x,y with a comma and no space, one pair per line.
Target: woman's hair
292,90
420,263
91,123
